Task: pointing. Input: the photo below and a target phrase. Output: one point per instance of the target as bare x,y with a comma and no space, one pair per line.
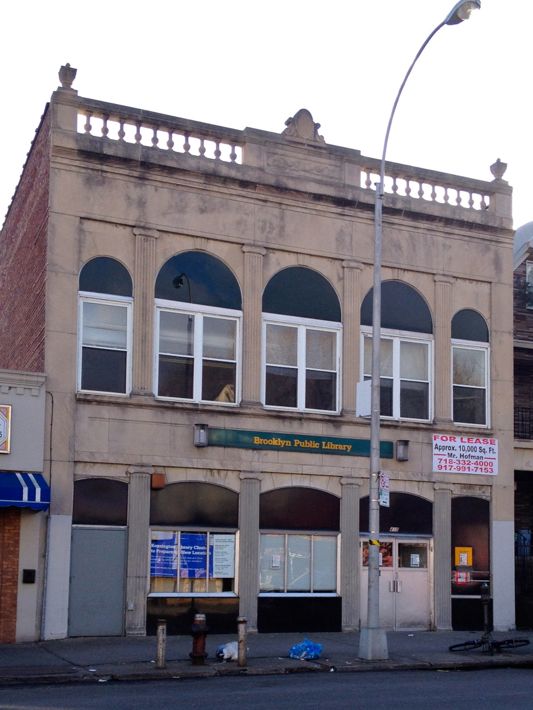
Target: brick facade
9,565
23,262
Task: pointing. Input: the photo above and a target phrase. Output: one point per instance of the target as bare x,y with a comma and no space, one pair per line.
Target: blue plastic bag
305,651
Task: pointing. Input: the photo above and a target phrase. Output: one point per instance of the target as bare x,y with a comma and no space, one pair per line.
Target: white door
404,584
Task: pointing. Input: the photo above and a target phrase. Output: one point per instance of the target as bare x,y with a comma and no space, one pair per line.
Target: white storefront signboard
223,556
456,453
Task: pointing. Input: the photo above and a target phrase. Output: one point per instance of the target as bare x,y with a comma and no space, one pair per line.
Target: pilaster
137,565
143,310
249,546
350,338
442,551
442,353
252,308
349,557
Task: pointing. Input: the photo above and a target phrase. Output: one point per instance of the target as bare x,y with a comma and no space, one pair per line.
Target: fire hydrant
199,634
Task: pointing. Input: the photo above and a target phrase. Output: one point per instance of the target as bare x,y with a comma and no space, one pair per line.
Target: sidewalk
120,658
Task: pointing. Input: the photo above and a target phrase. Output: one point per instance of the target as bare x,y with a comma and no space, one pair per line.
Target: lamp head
461,11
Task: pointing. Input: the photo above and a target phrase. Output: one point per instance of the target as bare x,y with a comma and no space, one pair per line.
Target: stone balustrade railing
250,148
428,185
160,132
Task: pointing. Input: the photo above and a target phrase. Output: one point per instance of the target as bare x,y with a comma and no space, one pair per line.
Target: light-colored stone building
206,321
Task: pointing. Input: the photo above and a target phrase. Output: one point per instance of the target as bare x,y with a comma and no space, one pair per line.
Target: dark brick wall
523,318
23,262
9,569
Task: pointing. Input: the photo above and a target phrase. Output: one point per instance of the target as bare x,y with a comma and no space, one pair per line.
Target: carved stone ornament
498,169
67,74
302,127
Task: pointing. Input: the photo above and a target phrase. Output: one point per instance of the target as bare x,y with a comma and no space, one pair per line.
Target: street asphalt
104,659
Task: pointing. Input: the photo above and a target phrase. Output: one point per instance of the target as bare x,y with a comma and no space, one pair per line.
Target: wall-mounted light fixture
402,450
200,435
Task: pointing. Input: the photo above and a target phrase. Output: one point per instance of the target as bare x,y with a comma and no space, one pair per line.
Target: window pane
385,354
414,400
321,389
103,370
321,350
281,386
385,399
299,563
105,275
176,333
324,564
385,554
468,367
413,556
219,338
105,325
163,561
413,361
193,555
175,377
221,562
281,345
272,563
469,405
470,325
218,381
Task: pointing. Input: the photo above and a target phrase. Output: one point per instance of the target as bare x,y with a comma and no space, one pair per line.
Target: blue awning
23,489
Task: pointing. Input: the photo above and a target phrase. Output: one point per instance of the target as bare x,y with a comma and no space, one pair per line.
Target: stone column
252,308
249,546
349,557
351,309
442,352
143,310
442,556
138,550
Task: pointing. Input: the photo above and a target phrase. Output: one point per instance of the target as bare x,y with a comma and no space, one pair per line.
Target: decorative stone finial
498,169
67,74
302,127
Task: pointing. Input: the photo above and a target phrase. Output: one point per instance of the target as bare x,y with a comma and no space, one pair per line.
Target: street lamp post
373,639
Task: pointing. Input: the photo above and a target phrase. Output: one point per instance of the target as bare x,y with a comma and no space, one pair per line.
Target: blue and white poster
193,556
163,555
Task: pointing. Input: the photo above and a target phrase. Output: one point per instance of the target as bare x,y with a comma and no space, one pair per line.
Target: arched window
406,351
198,302
193,539
303,561
301,341
105,327
470,368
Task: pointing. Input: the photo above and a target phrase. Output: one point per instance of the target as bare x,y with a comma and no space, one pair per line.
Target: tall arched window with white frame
406,351
198,326
470,368
301,342
105,327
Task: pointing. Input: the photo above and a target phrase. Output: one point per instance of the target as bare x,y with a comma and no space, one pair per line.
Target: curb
78,675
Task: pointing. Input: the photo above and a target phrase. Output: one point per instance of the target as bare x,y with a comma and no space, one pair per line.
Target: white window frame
208,531
106,300
198,312
307,533
480,347
302,325
397,337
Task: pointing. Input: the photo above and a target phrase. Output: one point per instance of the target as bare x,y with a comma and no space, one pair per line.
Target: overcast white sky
239,64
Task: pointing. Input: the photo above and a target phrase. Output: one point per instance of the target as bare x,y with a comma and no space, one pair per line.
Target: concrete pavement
129,658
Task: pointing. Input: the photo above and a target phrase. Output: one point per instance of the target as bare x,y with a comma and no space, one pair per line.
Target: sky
239,64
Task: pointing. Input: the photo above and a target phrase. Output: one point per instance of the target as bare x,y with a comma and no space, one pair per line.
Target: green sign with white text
303,443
